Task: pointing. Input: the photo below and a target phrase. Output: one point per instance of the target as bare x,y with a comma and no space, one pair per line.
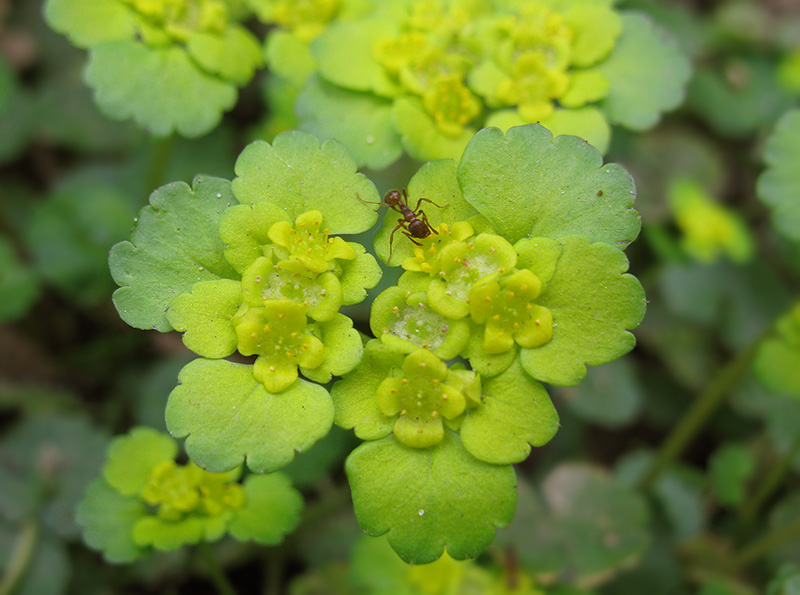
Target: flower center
178,491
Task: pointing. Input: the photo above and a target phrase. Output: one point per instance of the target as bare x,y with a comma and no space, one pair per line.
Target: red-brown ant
414,222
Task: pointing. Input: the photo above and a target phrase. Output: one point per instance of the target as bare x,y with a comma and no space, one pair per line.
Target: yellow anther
496,317
258,279
516,325
492,250
510,295
404,381
537,322
272,368
266,328
294,335
253,335
524,288
423,365
281,315
404,412
434,414
326,231
395,309
435,382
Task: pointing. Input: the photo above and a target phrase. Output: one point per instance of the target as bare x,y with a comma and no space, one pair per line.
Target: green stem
159,161
768,542
699,413
215,571
274,571
21,557
751,507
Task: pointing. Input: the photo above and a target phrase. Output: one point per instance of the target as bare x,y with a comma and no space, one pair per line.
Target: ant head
393,197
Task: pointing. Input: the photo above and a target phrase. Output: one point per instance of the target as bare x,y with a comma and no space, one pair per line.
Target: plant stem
699,412
751,507
768,542
21,557
159,160
215,571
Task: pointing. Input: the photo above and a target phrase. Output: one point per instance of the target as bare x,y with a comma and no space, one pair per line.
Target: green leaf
594,304
19,287
88,23
70,242
161,89
289,58
358,275
354,395
47,462
778,356
107,518
344,56
206,315
730,467
786,582
132,457
272,510
779,185
515,414
420,136
550,188
174,245
585,122
647,74
300,175
586,523
362,122
228,418
233,55
610,396
430,499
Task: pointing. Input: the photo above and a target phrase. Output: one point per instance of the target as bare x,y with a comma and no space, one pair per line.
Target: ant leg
400,224
369,202
412,238
419,202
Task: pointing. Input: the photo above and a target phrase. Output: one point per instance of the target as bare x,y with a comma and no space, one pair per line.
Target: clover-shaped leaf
515,414
107,518
779,186
528,184
206,316
91,22
272,509
160,88
647,73
229,418
174,245
354,395
132,458
594,304
299,175
362,122
429,500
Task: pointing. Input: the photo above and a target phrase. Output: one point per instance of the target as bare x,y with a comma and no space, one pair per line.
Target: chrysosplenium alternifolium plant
422,76
169,64
522,281
146,500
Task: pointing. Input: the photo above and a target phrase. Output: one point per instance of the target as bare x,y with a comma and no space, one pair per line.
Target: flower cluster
272,279
169,505
436,71
520,276
287,301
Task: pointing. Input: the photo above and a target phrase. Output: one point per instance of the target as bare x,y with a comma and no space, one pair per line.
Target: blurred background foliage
676,469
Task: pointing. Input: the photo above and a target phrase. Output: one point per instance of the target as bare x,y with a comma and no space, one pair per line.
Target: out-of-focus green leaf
49,568
779,186
610,395
731,466
19,286
585,523
46,463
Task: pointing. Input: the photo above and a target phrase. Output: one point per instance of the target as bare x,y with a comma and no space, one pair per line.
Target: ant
414,222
